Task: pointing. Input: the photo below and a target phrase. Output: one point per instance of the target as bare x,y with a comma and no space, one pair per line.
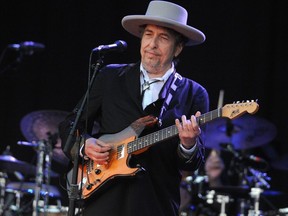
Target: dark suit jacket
115,102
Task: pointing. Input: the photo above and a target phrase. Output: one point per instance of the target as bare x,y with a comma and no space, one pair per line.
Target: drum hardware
223,199
9,164
278,212
199,179
249,177
43,167
196,179
20,196
247,195
255,181
283,211
190,192
44,157
235,136
51,210
13,202
3,177
40,128
244,206
255,194
210,196
261,178
260,181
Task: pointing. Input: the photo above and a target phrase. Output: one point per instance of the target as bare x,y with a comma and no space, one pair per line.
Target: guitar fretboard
168,132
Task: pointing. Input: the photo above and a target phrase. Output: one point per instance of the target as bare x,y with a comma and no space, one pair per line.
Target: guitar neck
168,132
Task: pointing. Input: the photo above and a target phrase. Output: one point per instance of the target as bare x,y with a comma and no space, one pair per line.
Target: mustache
151,52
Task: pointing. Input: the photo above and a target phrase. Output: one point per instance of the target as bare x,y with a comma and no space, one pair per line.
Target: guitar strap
169,95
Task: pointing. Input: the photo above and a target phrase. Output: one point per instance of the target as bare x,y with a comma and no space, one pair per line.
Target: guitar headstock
237,109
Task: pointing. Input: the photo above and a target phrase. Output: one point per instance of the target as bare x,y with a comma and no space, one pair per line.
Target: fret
151,139
209,116
171,131
141,143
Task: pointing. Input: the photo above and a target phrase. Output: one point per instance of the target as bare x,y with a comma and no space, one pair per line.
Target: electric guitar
92,176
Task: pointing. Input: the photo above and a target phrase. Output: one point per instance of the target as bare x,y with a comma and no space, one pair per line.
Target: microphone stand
39,177
74,195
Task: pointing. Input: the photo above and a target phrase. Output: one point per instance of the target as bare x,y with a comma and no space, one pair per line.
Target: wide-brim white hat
165,14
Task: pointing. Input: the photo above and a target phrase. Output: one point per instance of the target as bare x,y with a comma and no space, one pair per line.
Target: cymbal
40,125
247,131
10,164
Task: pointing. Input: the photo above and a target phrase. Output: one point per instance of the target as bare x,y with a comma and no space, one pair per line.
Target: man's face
158,48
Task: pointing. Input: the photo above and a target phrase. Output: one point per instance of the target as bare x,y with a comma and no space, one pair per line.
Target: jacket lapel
133,83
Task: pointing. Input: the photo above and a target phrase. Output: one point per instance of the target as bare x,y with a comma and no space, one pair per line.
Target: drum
190,193
17,203
53,210
19,198
227,200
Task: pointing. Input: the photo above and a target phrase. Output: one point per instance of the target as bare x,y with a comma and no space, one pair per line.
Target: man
214,167
139,99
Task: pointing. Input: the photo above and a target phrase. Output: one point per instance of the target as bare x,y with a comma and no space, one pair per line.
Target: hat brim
133,23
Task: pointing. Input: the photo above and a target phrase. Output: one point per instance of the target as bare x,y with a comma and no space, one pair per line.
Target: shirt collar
164,77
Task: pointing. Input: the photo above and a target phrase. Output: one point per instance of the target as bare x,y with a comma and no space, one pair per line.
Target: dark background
245,55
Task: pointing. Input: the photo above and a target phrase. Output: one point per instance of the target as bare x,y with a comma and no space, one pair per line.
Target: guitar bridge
89,166
120,151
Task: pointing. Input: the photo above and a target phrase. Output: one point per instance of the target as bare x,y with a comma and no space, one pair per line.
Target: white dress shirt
151,87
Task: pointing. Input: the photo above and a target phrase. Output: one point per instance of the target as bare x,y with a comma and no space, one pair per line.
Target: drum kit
37,196
251,194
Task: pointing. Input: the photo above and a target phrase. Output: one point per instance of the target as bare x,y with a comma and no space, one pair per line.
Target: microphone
27,47
256,159
251,160
230,148
118,45
256,162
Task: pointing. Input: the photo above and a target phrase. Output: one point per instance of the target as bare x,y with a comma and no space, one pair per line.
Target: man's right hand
97,150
